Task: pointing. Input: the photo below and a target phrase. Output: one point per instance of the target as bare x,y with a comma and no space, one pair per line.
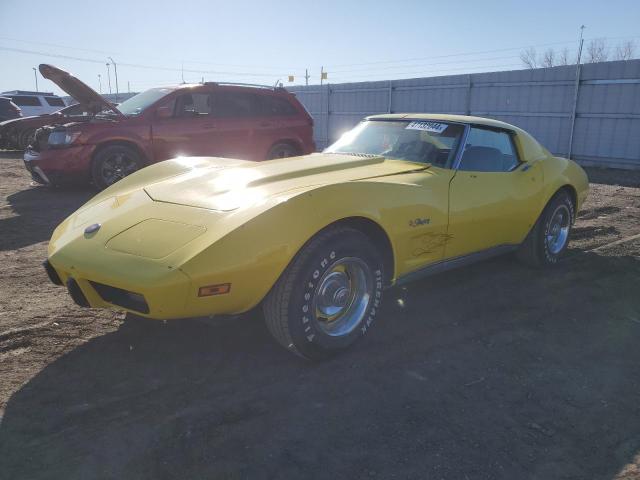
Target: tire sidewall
278,146
307,336
102,155
549,258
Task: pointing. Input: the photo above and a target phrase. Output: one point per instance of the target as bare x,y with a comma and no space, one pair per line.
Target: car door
235,123
189,131
493,194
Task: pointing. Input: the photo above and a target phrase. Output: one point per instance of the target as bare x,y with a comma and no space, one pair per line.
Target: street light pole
35,74
100,83
109,78
115,71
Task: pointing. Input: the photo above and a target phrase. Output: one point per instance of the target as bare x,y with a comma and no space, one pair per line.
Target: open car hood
84,94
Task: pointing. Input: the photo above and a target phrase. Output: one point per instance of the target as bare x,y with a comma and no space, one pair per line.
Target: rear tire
328,297
113,163
282,150
549,237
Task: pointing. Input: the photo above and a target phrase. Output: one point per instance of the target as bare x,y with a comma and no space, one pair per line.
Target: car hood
79,90
226,187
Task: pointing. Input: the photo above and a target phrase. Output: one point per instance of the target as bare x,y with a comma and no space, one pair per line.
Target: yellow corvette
316,239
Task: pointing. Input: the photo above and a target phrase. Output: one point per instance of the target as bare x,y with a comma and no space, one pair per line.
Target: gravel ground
492,371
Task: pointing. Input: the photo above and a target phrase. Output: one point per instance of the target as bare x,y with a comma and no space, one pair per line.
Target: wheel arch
375,232
125,143
287,141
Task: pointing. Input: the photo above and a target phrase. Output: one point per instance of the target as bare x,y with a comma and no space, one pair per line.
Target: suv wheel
113,163
328,296
282,150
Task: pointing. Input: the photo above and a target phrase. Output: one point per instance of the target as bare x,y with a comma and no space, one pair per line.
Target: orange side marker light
219,289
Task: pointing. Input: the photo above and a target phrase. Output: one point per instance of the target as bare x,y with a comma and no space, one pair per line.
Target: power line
479,52
104,52
136,65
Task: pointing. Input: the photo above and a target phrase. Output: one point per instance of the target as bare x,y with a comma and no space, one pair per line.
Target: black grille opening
121,298
51,273
76,293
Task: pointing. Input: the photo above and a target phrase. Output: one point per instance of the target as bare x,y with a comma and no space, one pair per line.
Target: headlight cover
154,238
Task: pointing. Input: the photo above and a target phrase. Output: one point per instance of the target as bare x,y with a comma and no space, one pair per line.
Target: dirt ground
493,371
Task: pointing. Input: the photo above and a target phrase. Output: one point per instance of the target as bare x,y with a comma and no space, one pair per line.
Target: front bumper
59,166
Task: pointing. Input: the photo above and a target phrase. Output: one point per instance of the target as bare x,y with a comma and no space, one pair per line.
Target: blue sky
263,41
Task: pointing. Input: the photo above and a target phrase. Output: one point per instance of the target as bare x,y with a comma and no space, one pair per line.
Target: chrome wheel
342,296
116,167
558,229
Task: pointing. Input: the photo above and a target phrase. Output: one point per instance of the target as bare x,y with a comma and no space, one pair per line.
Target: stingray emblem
92,228
417,222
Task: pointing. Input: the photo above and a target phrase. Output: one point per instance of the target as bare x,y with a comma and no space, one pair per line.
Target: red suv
210,119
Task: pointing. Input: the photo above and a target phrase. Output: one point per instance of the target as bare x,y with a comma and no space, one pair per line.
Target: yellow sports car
316,239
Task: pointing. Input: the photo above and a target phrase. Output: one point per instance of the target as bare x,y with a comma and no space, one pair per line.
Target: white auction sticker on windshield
432,127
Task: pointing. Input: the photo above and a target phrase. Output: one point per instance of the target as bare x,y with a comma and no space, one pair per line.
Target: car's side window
489,150
274,106
193,105
233,104
26,101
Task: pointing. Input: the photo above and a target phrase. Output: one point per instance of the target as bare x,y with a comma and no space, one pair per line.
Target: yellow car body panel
177,226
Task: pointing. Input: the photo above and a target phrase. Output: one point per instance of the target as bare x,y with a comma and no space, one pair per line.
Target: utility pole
182,71
115,71
128,87
321,75
575,94
100,83
35,74
306,76
109,78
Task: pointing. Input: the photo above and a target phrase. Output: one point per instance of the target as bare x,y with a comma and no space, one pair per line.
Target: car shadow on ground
492,371
39,210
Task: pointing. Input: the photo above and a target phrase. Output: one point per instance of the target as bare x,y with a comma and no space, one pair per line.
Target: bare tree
597,51
626,50
563,57
549,58
529,57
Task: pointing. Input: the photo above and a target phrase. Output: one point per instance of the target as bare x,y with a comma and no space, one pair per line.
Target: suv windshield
138,103
421,141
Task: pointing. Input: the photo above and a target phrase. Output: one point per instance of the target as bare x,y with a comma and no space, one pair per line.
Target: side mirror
164,112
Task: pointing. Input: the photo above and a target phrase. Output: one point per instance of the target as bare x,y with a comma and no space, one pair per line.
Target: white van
35,103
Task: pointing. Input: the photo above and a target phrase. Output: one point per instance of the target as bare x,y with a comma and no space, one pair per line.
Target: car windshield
421,141
139,103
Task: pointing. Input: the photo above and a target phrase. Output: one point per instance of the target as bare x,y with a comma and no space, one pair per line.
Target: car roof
489,122
17,93
227,85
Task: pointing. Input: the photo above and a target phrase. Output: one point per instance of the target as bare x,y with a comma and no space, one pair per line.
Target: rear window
54,101
26,101
275,106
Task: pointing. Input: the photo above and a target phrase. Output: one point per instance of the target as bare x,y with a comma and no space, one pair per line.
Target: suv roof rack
255,85
26,92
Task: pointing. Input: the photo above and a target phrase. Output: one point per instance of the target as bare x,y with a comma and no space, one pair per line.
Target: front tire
113,163
328,297
549,237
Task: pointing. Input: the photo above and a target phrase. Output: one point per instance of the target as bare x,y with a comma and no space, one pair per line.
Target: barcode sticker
432,127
